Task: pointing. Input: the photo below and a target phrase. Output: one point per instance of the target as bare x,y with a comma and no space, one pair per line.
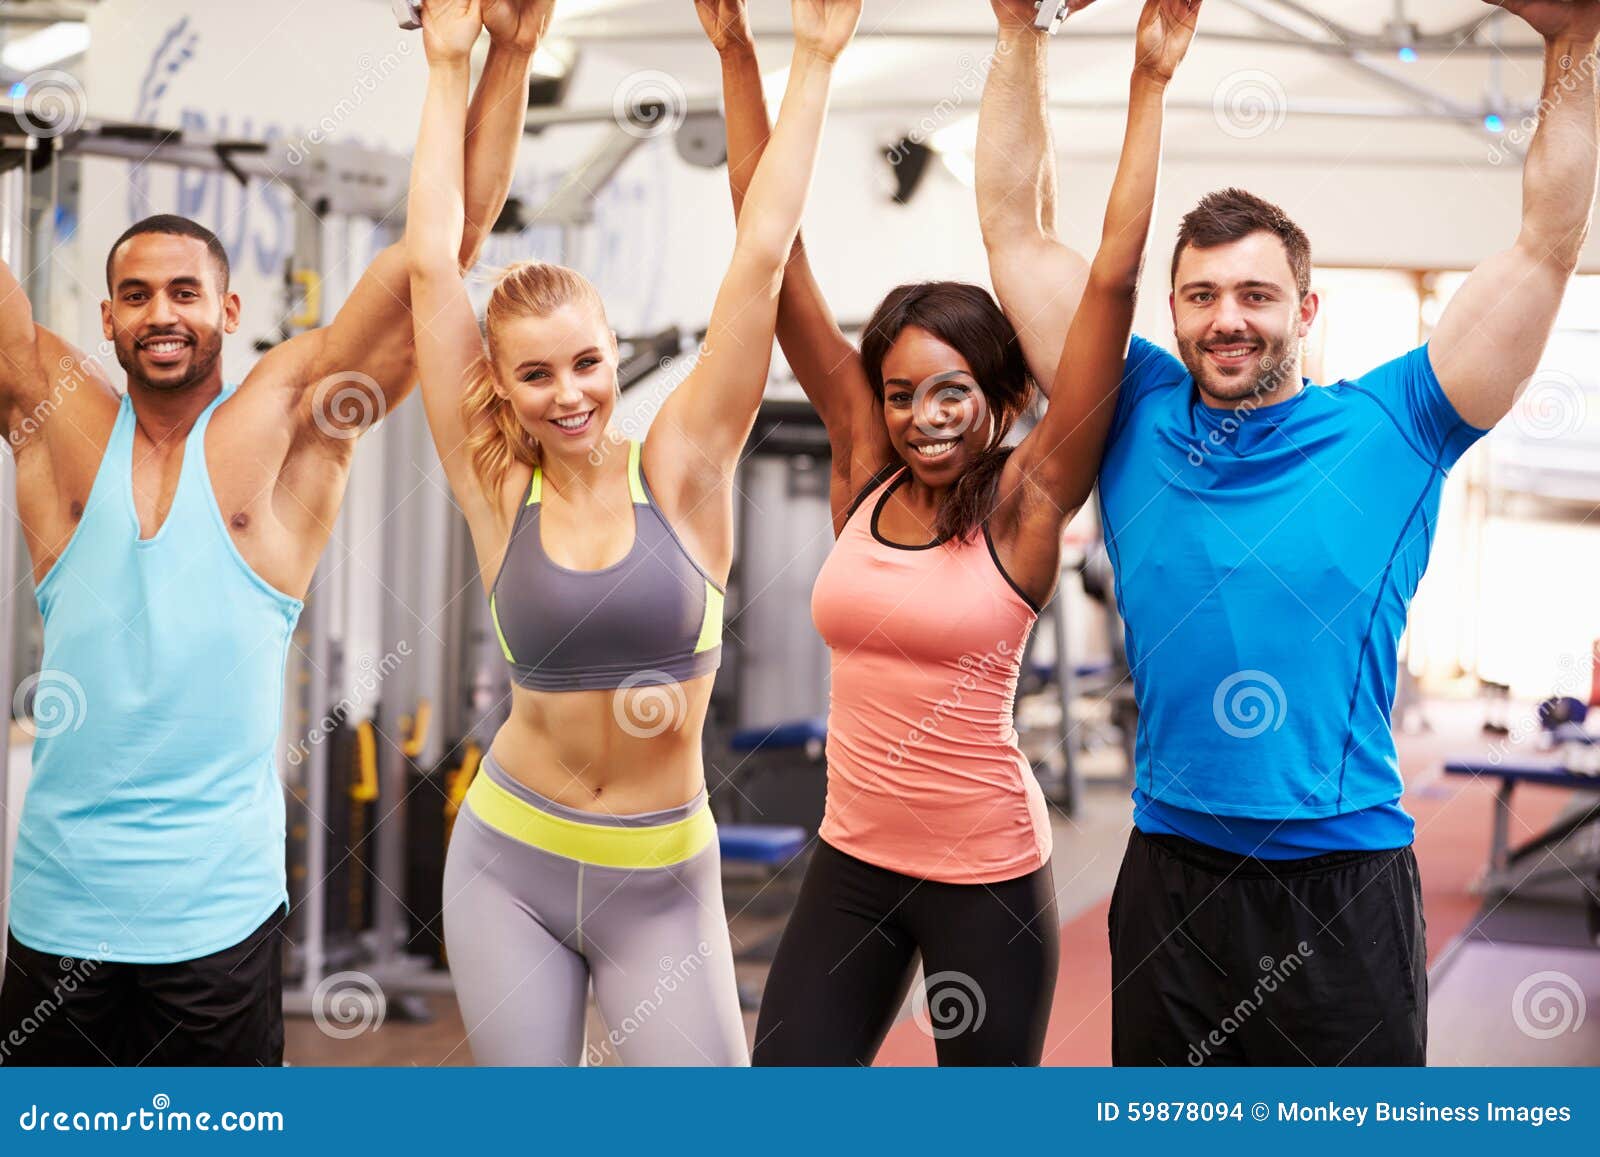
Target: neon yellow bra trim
635,479
711,624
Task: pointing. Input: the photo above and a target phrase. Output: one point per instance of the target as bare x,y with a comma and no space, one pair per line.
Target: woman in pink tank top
936,836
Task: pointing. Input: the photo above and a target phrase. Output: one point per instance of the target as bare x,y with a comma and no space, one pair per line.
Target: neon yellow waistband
598,844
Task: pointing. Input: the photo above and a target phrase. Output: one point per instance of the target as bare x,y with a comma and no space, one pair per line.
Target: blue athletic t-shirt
1264,563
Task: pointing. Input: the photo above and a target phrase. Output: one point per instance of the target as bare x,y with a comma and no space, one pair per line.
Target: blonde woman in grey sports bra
584,852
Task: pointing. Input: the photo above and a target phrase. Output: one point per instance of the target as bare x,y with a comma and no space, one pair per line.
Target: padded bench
1508,866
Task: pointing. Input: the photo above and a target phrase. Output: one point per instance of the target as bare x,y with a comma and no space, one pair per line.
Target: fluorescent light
962,167
959,136
50,45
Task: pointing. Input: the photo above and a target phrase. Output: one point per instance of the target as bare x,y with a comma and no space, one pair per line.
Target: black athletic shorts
1229,960
222,1009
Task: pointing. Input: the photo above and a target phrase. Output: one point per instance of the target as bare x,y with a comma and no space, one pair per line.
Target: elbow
1559,251
471,249
429,263
1004,228
764,249
1120,285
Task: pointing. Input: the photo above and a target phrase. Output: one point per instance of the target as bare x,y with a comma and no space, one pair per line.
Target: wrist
1150,80
1020,34
810,56
738,54
1569,44
450,63
513,48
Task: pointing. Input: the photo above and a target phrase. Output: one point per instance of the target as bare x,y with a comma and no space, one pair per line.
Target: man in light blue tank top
173,532
1267,536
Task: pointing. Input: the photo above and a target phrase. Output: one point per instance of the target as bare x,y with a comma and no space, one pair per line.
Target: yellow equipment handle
417,729
461,779
366,786
310,283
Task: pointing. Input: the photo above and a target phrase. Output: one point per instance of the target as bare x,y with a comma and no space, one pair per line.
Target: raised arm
710,415
498,116
447,339
22,377
1038,279
1053,471
371,336
1491,338
825,362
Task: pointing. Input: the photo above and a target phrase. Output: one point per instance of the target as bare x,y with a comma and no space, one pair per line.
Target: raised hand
1023,13
824,27
450,28
517,23
727,23
1558,19
1166,28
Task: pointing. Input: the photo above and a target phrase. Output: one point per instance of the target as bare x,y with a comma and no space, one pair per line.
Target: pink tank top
925,777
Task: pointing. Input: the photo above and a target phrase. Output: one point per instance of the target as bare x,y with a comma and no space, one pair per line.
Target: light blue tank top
153,829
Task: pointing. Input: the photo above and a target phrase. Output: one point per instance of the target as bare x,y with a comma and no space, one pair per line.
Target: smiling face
559,373
1240,319
938,418
168,311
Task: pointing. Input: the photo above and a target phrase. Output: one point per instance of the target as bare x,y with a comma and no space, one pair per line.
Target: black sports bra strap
889,470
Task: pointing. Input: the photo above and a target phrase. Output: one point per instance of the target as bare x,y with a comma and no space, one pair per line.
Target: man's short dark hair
173,225
1231,215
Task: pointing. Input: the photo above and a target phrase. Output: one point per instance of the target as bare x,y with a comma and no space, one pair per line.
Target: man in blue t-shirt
1267,536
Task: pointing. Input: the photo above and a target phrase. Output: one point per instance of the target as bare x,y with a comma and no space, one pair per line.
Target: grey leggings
528,930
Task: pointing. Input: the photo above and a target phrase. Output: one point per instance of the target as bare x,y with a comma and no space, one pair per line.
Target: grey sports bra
653,618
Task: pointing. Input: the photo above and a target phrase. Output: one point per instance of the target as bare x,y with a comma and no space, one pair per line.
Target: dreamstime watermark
1548,1004
347,1004
1250,103
671,373
1552,406
160,1117
988,663
968,88
74,372
949,1004
650,703
372,73
1575,74
947,393
1222,433
49,703
649,104
371,677
53,105
1273,974
673,974
1249,703
347,404
77,971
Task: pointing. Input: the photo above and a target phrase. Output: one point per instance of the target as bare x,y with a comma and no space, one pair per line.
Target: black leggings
989,952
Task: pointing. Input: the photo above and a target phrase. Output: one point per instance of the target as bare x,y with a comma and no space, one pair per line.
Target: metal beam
339,178
1431,100
43,15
